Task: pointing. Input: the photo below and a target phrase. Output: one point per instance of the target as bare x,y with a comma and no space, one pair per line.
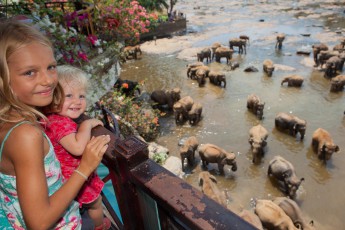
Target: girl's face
75,100
33,75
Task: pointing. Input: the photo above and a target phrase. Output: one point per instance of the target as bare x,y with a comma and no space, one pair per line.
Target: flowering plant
143,119
127,19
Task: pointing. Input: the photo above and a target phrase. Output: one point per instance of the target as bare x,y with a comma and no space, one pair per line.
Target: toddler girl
69,140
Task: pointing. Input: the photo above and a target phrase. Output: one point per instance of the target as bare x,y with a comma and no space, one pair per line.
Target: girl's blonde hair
14,35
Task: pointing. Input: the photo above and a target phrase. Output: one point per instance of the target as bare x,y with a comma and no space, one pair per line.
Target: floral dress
57,128
11,216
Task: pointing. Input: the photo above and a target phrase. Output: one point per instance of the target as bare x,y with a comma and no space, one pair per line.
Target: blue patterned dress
11,216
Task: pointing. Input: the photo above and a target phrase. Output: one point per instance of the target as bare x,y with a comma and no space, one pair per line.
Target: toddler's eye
68,96
82,96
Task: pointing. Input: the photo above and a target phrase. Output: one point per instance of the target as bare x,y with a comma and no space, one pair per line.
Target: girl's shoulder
24,130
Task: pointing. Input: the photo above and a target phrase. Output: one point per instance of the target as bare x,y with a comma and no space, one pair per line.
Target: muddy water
226,120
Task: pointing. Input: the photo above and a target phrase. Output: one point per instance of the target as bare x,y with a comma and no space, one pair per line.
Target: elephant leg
221,168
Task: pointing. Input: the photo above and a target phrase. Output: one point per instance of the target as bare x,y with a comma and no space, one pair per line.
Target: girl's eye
29,73
52,67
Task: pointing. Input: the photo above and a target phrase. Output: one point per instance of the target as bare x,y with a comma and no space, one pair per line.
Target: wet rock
305,35
174,165
261,20
251,69
303,52
234,65
283,67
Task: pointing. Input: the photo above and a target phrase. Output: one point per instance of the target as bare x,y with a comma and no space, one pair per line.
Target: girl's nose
48,78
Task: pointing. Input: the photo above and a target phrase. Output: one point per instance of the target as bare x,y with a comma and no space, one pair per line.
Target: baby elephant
255,105
338,83
268,67
293,80
208,184
194,114
323,144
187,151
257,139
272,216
210,153
292,210
217,78
280,39
283,171
182,107
284,121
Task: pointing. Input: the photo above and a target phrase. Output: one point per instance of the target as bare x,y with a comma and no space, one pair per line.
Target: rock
303,52
283,67
154,148
306,35
174,165
251,69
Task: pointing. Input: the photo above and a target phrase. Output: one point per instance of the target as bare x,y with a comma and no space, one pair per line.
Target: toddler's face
33,75
75,100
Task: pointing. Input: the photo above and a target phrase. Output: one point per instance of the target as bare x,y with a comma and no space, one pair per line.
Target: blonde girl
32,192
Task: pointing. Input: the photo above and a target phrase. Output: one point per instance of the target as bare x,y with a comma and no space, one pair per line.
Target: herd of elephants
283,208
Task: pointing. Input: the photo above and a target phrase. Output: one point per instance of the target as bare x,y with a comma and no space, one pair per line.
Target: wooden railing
151,197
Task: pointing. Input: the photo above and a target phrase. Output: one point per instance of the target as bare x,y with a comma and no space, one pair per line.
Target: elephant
192,72
284,121
210,153
257,140
324,55
127,87
317,48
208,185
182,107
293,80
204,53
223,52
193,65
283,171
187,151
292,210
272,216
255,105
200,75
323,144
132,51
332,66
194,114
251,218
280,39
214,47
337,83
240,43
244,37
217,78
166,97
268,67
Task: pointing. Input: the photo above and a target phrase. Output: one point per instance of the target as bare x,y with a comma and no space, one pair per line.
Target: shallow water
226,121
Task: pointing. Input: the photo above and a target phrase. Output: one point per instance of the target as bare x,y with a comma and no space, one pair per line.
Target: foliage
153,5
160,158
144,120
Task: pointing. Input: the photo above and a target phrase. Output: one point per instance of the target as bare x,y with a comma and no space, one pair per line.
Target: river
226,121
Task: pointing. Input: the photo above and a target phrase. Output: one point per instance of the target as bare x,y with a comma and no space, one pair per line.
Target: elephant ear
251,140
337,149
201,181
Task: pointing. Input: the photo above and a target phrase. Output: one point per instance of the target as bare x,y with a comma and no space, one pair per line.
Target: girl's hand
93,154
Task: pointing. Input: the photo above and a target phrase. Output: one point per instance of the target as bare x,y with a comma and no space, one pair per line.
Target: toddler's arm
75,143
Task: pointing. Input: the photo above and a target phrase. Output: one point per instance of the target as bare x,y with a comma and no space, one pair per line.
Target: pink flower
82,56
92,38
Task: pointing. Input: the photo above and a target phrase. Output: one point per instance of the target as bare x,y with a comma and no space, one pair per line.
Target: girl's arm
75,143
26,148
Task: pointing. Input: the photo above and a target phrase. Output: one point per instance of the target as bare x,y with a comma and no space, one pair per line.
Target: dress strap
8,134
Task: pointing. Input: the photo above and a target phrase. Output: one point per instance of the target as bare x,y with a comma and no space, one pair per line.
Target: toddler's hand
93,122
